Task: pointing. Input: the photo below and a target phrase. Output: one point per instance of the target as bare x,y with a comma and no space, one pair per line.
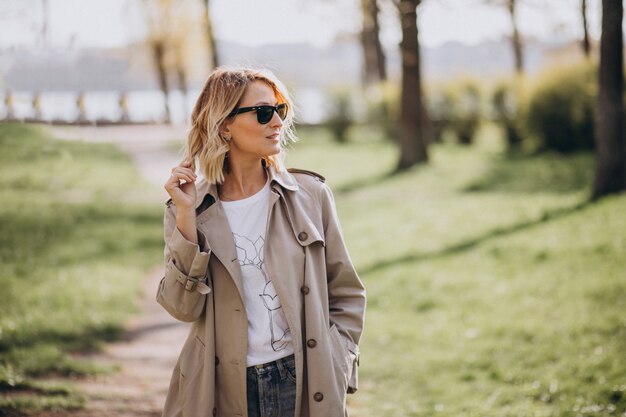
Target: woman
255,259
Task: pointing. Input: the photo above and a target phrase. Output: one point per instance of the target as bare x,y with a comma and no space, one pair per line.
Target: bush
507,102
469,111
383,108
560,109
457,107
441,109
341,117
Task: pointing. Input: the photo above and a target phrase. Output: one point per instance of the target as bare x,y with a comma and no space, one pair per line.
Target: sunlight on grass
78,232
494,289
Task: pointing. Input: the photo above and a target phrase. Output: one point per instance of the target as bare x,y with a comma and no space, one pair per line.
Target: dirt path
146,356
152,148
148,351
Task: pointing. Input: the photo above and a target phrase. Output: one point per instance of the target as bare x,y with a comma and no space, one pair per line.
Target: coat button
303,236
304,290
318,396
311,343
214,411
217,360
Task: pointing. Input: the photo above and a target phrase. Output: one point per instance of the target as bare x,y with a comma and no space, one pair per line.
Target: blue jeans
271,388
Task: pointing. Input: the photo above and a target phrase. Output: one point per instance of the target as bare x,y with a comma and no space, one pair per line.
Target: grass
494,288
78,232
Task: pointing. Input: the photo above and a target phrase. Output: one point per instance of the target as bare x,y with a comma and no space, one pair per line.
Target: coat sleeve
182,291
346,293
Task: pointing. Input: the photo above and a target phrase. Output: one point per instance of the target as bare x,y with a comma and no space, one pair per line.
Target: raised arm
182,291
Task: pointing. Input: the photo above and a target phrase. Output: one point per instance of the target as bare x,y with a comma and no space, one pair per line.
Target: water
142,106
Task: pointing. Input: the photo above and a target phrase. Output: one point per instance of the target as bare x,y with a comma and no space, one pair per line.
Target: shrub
456,106
341,115
560,109
383,108
441,109
507,106
469,111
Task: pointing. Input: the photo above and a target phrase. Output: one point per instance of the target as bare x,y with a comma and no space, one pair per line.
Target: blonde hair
220,95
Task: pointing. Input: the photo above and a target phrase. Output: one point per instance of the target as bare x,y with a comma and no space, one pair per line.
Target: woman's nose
276,121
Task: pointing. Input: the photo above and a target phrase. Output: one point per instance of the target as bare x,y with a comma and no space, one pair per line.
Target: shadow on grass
473,242
44,231
85,339
546,172
366,182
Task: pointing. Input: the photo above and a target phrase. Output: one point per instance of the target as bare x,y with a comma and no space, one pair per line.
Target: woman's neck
242,180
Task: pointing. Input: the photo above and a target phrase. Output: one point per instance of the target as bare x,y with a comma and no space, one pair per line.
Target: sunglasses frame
265,106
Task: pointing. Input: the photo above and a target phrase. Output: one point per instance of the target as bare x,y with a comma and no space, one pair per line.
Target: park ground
494,287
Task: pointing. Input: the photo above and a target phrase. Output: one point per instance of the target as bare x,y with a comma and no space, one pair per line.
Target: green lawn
494,289
77,237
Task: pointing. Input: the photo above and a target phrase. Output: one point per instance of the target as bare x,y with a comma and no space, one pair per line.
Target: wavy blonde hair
221,94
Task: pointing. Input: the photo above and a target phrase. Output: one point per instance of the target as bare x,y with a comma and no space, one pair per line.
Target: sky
110,23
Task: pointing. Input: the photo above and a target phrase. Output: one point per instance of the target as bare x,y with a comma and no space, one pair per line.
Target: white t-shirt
269,337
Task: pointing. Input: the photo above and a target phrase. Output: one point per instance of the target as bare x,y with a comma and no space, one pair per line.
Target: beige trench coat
321,294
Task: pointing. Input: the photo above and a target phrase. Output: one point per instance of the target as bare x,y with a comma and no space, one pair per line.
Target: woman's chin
274,150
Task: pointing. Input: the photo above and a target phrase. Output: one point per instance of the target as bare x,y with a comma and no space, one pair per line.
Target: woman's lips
274,136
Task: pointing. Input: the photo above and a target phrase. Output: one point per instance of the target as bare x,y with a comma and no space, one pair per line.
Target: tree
181,76
172,25
374,69
516,39
210,36
413,118
610,175
586,45
158,55
157,18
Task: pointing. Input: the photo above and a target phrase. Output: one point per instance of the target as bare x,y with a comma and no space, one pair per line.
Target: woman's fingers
184,171
180,185
183,176
174,180
181,172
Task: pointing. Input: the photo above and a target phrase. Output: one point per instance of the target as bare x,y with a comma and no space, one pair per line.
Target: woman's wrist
186,224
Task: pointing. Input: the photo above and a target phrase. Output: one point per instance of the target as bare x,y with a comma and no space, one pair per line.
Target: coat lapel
213,223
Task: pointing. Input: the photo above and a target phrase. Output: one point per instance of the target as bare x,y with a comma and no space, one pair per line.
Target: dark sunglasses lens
264,114
281,109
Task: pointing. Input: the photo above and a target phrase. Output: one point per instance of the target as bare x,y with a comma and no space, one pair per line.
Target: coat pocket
191,364
341,357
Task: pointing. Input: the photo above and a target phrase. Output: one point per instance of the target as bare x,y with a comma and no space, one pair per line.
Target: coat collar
279,180
213,217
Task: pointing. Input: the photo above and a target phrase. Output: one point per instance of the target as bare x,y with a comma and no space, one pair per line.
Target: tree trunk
516,39
585,44
158,54
374,69
208,27
610,174
412,114
181,80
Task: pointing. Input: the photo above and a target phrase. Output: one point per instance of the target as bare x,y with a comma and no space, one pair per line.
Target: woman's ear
225,131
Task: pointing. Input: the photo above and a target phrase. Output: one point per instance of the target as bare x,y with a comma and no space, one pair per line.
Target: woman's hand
180,186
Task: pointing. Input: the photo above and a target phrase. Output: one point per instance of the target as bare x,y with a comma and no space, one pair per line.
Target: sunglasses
264,113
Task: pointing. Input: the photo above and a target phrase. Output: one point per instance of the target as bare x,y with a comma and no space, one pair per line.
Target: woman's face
249,138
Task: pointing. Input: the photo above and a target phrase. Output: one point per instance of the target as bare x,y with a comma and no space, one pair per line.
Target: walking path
152,341
147,353
153,148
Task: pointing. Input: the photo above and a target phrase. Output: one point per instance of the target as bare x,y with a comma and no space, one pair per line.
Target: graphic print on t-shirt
250,255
